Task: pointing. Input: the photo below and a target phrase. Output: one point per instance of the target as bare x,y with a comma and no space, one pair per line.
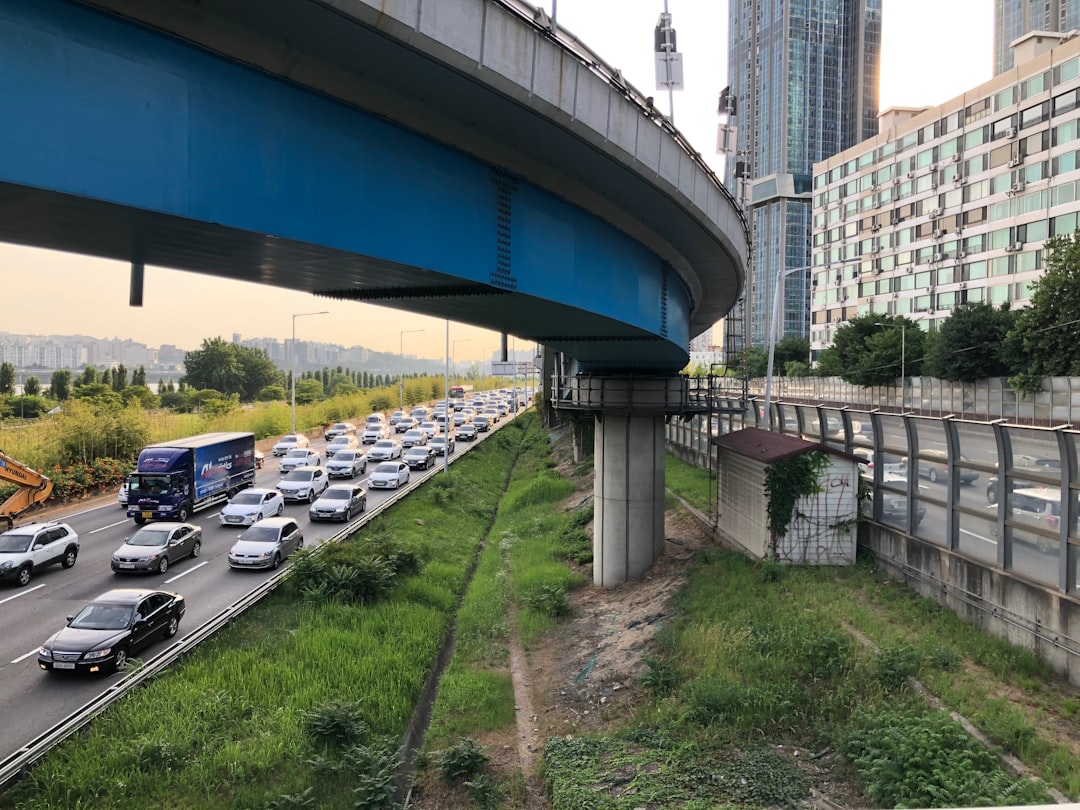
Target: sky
932,50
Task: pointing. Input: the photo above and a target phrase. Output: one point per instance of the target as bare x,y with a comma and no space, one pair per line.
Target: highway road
33,701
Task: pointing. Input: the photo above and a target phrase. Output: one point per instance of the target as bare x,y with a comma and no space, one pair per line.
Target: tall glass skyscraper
1014,18
804,79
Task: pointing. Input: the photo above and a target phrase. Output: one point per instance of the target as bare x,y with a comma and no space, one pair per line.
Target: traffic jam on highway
181,501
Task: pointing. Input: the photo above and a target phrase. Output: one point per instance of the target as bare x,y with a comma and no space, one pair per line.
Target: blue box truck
175,479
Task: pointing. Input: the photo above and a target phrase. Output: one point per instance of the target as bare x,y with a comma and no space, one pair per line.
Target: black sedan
107,632
420,458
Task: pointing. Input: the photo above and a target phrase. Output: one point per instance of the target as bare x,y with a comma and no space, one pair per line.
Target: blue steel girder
125,142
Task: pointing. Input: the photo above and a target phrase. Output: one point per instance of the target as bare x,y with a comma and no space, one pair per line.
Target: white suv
25,549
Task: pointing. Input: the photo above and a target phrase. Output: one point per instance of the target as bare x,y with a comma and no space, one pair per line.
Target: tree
119,378
753,362
88,377
60,384
230,369
871,350
141,394
28,406
32,386
138,376
272,393
259,372
7,378
1048,331
308,391
790,350
106,377
971,343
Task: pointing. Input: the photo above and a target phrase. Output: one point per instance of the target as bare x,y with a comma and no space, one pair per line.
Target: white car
432,429
250,505
303,484
340,443
339,502
385,450
414,437
389,475
27,548
293,441
266,543
375,432
346,464
300,458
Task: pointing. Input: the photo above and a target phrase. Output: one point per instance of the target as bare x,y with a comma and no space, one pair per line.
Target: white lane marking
978,536
188,571
103,528
24,657
21,593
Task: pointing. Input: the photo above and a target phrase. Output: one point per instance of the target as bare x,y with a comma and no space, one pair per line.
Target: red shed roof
768,446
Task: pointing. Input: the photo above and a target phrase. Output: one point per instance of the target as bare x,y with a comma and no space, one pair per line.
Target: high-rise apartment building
1015,18
804,79
952,204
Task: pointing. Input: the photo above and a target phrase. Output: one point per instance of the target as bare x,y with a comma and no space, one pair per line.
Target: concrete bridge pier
628,516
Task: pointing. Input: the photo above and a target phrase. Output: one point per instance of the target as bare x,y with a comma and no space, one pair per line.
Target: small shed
821,529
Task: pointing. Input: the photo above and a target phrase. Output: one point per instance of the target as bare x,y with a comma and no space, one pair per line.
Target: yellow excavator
34,489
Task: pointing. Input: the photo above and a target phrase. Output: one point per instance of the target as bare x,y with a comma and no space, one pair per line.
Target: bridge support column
628,492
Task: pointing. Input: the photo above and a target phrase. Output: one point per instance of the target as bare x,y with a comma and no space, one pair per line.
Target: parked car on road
389,475
250,506
339,429
26,549
303,484
156,546
109,630
339,502
339,443
346,464
419,457
439,444
385,450
266,544
293,441
933,466
300,458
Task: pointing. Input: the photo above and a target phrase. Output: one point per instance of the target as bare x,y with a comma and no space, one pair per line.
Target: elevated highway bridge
455,158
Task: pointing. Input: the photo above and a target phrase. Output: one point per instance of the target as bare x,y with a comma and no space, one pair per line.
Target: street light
903,355
774,325
401,355
293,347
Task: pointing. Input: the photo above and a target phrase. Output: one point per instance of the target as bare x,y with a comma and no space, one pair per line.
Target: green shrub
339,724
462,761
895,665
549,599
660,677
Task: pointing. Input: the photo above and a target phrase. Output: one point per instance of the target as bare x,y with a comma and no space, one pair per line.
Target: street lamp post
293,347
401,356
774,326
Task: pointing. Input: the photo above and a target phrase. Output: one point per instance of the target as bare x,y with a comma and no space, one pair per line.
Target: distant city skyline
58,293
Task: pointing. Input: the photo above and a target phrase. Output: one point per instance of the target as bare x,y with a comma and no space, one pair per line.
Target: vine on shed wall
788,480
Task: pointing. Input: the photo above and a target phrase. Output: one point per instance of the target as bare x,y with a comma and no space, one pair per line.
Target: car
122,495
933,465
503,409
395,417
419,457
1036,507
375,418
466,433
385,450
439,444
26,549
375,432
432,429
406,423
266,544
110,629
153,548
293,441
250,506
481,423
440,420
346,464
303,484
461,418
339,443
259,459
300,458
339,502
894,510
492,413
1023,473
339,429
389,475
414,437
892,465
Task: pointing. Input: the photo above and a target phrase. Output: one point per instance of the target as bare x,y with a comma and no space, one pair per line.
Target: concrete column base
628,517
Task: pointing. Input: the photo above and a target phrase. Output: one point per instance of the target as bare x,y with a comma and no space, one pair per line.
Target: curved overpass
452,158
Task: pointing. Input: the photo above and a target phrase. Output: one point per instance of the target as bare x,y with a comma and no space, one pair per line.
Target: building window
1067,70
1000,266
1065,102
1065,224
1033,172
974,271
1064,133
1002,127
975,137
1034,115
1006,98
980,109
1035,85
